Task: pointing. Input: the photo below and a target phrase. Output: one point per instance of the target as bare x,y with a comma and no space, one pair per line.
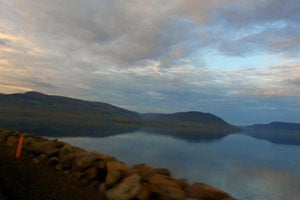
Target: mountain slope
62,116
276,132
192,121
36,112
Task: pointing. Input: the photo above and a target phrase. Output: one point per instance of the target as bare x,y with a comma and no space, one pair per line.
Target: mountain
62,116
41,113
276,132
192,121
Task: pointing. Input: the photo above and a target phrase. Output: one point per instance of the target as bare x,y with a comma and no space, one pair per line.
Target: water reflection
245,167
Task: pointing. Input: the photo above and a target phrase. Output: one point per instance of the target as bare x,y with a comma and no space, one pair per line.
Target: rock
115,171
27,142
113,177
101,164
125,190
12,141
59,144
166,187
162,171
203,191
95,184
83,181
46,147
102,189
84,161
58,167
144,171
91,173
66,161
145,192
53,161
183,183
42,157
128,172
36,161
76,175
3,136
116,165
65,150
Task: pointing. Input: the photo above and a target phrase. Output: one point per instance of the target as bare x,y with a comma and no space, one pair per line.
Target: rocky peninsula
51,169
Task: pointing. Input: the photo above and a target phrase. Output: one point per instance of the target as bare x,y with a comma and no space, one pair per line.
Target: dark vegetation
61,116
276,132
44,114
191,121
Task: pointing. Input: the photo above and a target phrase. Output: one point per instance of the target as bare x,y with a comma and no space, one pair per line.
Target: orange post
19,148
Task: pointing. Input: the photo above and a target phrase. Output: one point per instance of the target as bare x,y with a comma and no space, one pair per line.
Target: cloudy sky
238,59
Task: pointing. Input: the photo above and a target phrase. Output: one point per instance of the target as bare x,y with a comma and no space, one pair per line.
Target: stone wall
113,179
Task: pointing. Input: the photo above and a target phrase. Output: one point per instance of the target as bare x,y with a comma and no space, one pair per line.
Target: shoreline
103,176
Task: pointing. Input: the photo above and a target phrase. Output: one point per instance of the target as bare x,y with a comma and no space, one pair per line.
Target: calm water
245,167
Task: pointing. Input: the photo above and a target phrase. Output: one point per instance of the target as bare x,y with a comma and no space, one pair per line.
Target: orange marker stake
19,148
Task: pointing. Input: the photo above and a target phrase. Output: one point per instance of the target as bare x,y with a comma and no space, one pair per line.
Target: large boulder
28,141
145,192
162,171
125,190
44,147
65,150
92,173
66,160
86,160
116,165
12,141
112,177
3,136
144,171
115,172
166,188
203,191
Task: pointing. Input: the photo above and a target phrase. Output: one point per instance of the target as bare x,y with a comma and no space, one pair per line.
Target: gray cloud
246,13
295,81
110,32
147,55
2,42
274,26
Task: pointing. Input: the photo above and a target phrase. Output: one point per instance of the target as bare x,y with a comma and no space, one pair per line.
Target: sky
237,59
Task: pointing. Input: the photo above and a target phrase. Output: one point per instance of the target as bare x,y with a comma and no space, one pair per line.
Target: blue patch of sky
217,61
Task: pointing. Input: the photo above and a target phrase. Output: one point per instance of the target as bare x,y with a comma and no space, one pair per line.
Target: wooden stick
19,148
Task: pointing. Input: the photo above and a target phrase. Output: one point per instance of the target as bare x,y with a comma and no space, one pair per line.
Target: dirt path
22,179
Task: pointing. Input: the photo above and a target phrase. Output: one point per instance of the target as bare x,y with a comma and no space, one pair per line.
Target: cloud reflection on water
247,168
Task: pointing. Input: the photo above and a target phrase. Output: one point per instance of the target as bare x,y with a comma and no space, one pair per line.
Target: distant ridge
192,116
276,132
50,114
192,120
277,126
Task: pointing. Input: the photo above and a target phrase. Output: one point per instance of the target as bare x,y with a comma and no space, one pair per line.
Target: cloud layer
157,56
